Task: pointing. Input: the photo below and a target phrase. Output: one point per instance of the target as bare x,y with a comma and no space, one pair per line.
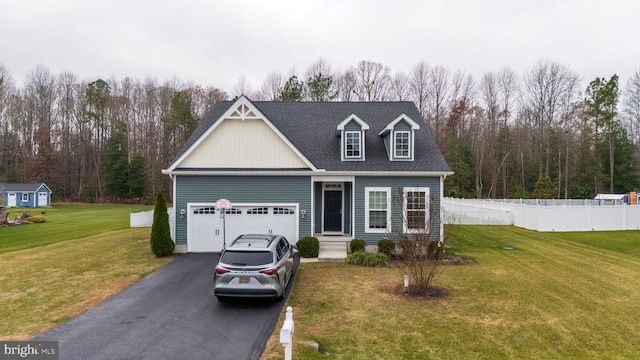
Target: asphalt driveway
170,314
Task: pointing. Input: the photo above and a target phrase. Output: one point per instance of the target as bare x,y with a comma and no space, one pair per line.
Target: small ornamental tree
420,249
161,243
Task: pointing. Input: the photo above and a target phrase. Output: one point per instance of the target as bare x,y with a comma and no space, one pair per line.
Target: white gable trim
402,117
355,118
241,109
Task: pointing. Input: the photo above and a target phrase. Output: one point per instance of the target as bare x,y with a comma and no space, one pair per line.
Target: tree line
543,133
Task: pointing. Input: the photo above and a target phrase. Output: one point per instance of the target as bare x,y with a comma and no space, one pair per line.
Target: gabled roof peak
352,117
402,117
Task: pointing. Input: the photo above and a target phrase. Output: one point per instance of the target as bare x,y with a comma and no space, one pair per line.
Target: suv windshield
246,258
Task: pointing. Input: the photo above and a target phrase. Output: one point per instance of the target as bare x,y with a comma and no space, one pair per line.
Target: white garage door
11,199
207,232
43,199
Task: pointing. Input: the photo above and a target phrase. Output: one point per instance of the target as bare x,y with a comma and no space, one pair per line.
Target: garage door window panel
258,211
283,211
205,210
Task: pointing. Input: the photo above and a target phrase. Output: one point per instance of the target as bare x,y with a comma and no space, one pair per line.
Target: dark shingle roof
311,128
29,187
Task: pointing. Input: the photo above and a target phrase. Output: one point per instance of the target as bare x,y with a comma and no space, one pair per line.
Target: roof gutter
321,172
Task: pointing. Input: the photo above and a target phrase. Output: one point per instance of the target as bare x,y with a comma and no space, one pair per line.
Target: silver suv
255,266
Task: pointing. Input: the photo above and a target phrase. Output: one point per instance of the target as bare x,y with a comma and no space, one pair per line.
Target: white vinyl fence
543,215
145,219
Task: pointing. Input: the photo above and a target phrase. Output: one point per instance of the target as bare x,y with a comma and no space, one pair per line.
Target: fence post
286,334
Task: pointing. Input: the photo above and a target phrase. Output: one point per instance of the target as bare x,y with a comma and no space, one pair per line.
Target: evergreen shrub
161,243
357,245
387,247
308,246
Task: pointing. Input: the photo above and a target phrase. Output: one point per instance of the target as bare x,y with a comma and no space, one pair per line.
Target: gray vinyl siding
396,184
387,143
258,189
317,207
353,126
347,208
402,126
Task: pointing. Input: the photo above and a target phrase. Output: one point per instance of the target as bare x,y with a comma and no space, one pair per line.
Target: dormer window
352,144
399,138
352,132
402,144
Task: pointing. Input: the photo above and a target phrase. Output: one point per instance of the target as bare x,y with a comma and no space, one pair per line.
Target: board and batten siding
396,184
242,189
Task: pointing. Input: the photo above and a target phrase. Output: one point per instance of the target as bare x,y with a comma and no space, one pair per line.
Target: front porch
333,208
333,248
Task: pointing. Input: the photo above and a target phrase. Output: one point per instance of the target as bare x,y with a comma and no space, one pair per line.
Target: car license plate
243,280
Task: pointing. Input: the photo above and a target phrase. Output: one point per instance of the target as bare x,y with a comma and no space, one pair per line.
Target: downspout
442,179
175,204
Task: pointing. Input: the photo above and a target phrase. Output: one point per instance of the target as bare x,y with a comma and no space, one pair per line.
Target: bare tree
508,91
438,101
40,92
463,88
631,105
8,136
346,84
490,100
373,81
319,67
547,87
272,86
400,87
419,244
242,87
419,85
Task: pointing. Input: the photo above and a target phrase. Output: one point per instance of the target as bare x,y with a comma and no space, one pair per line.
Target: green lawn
79,257
530,295
64,222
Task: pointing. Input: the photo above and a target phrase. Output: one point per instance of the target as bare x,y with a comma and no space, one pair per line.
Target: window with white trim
258,211
233,211
378,206
25,197
352,144
402,143
415,209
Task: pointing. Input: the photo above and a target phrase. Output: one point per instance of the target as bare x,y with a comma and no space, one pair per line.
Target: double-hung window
416,210
352,144
402,144
25,197
378,207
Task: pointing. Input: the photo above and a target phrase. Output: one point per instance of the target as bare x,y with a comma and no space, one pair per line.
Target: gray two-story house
334,170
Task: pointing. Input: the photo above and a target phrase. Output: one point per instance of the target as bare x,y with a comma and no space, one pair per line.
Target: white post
286,334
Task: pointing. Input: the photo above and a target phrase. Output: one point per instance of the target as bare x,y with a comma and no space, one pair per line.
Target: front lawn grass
64,222
65,269
529,295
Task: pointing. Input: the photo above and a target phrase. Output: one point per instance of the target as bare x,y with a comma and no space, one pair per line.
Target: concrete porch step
332,251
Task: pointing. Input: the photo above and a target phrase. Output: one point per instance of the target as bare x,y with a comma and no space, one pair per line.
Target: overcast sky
214,42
